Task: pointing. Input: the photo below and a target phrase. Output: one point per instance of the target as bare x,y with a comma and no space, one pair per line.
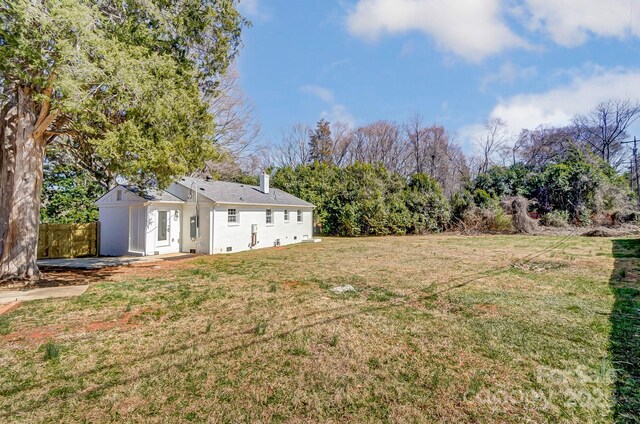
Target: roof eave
266,204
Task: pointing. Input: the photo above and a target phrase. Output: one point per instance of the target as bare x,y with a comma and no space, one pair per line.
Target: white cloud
335,65
471,29
477,29
337,112
558,106
508,73
467,137
253,9
570,22
322,93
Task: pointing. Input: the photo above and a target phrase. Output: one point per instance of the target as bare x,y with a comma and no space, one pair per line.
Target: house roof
241,194
148,195
153,195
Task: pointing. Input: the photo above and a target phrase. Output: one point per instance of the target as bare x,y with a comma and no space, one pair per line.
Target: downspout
195,183
212,215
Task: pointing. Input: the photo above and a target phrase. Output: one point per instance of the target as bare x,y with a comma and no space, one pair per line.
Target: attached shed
133,222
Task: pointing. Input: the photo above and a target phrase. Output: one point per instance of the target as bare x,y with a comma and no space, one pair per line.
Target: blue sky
456,62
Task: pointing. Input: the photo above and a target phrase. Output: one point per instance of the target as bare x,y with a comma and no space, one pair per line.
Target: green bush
366,199
578,183
428,209
555,219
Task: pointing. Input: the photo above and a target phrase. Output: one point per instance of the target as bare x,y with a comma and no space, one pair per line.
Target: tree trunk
21,162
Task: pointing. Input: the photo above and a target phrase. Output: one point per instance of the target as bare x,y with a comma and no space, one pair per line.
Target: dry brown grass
442,328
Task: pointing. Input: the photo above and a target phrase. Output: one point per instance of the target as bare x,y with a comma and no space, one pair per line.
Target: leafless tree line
601,132
406,149
413,146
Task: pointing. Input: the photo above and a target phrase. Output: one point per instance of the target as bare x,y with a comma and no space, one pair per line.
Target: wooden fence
68,240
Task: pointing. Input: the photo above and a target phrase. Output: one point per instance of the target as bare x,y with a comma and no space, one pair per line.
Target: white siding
200,245
111,197
114,230
238,236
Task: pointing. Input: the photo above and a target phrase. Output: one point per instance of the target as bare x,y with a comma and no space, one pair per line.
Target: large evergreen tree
320,143
117,84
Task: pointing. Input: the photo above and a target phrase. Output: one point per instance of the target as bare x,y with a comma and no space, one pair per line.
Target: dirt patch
56,277
292,284
44,333
154,269
488,309
540,266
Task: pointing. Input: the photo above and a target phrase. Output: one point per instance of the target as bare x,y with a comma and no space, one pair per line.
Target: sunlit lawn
441,328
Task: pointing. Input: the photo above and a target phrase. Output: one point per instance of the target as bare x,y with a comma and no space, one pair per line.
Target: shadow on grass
625,329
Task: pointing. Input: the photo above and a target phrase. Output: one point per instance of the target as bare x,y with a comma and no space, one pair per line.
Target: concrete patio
105,261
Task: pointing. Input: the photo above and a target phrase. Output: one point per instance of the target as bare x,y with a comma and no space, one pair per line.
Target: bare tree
493,142
342,137
606,126
293,148
543,145
456,171
433,152
380,141
237,130
417,138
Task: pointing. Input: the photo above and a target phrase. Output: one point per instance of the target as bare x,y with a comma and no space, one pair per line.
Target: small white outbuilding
196,215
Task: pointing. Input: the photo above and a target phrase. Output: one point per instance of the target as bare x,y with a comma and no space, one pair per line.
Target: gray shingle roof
154,195
226,192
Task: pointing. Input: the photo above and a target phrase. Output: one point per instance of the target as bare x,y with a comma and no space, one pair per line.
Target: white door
164,228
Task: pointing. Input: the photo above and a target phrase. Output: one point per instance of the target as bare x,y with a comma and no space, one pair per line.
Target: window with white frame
299,215
232,216
119,195
286,215
269,216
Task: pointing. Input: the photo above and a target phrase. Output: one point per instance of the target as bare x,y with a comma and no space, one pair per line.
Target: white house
201,216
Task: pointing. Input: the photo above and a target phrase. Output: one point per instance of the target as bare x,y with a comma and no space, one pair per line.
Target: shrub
492,220
584,216
557,219
428,209
483,199
363,199
460,202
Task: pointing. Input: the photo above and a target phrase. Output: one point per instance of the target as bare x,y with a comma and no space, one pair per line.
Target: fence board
68,240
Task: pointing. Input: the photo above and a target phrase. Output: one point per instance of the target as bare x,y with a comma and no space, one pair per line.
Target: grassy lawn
441,328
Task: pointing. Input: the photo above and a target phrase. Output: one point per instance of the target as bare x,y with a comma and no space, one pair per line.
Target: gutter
266,204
